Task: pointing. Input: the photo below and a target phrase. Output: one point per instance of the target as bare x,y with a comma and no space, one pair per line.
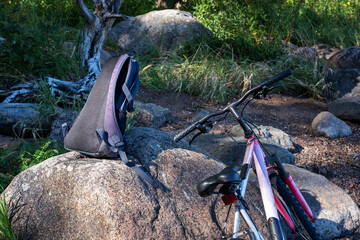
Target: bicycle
278,190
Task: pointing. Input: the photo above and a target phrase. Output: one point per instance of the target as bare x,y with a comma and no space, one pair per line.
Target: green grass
6,231
217,75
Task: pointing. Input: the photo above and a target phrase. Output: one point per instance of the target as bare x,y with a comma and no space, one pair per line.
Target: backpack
98,130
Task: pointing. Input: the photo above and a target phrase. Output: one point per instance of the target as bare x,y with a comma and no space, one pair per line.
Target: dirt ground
337,159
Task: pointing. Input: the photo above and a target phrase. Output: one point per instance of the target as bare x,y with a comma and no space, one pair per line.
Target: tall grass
6,231
216,74
33,45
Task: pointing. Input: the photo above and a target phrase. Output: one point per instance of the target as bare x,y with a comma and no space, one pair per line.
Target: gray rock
342,72
151,115
104,199
21,119
325,51
104,56
336,214
343,82
347,108
56,133
269,135
307,53
229,152
326,124
348,58
157,30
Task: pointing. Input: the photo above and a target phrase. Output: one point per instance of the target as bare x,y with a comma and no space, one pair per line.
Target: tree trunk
93,33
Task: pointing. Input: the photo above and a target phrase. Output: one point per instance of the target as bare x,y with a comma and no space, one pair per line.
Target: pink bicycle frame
254,151
272,205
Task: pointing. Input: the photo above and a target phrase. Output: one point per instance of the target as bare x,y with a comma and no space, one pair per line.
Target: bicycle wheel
303,225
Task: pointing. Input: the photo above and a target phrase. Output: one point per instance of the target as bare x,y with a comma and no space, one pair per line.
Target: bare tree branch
85,11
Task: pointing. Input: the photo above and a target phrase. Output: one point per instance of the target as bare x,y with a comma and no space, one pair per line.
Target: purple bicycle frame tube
264,183
253,150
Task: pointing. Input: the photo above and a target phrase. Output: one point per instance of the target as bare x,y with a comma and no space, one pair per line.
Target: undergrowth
25,155
217,75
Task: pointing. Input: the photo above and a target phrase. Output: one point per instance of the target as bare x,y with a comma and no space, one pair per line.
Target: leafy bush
137,7
255,28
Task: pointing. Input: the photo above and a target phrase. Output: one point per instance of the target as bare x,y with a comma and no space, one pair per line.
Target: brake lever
203,129
277,86
262,93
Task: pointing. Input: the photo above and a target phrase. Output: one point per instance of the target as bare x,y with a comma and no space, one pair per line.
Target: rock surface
229,152
56,133
343,72
336,214
347,108
157,31
151,115
104,199
326,124
269,135
73,197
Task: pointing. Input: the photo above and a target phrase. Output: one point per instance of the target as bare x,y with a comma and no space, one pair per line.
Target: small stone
326,124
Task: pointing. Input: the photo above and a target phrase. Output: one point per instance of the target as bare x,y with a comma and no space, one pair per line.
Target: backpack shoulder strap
112,134
119,148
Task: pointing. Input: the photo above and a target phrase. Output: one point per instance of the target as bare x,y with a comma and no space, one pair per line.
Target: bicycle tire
305,228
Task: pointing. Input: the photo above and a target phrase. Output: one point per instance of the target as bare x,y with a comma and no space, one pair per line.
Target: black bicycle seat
228,175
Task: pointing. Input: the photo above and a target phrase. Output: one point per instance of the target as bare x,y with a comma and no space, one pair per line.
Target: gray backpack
98,130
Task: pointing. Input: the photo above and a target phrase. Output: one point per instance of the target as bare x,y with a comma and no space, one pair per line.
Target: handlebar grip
276,78
184,133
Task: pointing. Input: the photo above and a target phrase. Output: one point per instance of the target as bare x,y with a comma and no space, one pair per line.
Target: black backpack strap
119,148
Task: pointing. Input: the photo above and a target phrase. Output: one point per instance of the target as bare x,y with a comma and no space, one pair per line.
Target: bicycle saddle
228,175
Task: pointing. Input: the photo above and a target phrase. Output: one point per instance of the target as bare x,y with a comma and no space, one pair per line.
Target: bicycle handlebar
276,78
185,132
256,89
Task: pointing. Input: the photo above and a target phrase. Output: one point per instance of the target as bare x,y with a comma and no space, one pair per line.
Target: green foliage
44,150
256,28
27,154
6,231
216,74
34,45
137,7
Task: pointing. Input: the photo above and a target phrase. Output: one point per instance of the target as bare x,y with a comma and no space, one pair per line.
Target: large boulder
336,214
343,72
157,30
229,151
269,135
326,124
74,197
347,108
